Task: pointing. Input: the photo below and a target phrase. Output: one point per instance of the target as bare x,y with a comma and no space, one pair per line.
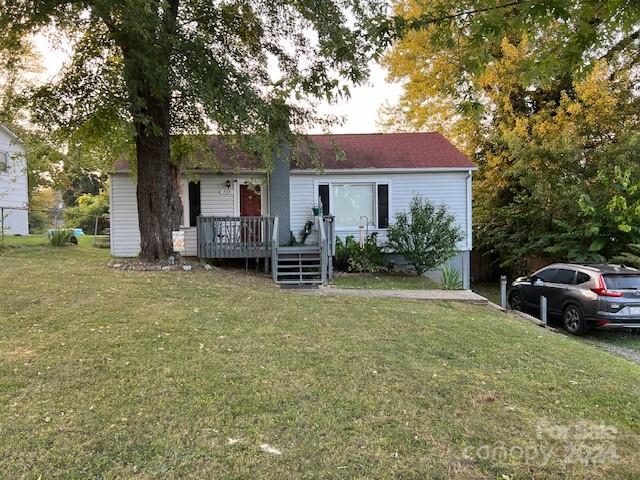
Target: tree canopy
147,69
544,96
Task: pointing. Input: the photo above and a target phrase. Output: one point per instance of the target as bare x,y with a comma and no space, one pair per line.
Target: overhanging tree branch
621,45
425,20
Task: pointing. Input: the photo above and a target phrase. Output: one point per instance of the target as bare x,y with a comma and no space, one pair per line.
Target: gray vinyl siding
14,187
448,188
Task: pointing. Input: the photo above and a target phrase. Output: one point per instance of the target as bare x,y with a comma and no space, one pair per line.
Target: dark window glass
323,193
566,277
582,278
383,206
547,275
194,203
621,282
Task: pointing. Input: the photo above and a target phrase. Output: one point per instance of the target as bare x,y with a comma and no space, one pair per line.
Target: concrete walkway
464,296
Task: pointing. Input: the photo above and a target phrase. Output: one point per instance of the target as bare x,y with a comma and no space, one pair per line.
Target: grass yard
616,339
383,281
111,374
489,290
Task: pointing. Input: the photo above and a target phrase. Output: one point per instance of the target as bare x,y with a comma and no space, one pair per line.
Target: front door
250,206
250,201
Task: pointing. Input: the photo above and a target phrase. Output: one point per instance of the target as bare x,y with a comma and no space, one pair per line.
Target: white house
14,198
365,181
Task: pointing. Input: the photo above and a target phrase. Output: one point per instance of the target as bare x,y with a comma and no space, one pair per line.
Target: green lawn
111,374
489,290
617,338
383,281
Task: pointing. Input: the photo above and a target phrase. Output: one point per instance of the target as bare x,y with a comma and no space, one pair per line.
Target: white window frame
374,184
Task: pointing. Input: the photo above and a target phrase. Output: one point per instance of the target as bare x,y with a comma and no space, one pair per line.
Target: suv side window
565,276
547,275
582,278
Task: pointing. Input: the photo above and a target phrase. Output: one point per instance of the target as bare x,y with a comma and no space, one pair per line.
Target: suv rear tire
573,320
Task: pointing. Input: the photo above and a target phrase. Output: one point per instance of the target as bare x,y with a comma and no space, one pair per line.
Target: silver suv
583,295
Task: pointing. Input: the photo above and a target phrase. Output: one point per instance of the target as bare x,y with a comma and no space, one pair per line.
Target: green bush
351,257
631,257
60,237
426,236
38,222
88,208
451,278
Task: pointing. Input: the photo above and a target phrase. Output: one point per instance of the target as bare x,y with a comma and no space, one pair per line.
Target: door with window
557,292
542,282
250,206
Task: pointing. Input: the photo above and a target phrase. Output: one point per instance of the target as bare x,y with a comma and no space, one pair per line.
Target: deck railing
235,237
329,224
275,243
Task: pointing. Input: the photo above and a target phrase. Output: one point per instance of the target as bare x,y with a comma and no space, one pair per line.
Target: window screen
4,160
566,277
323,193
383,206
194,203
351,202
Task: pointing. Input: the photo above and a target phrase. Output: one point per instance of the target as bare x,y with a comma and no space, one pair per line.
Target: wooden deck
257,237
235,237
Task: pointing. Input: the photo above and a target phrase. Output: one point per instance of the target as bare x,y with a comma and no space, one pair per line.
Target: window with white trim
4,162
351,202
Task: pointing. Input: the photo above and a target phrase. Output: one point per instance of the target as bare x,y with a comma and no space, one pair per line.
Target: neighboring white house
14,198
365,184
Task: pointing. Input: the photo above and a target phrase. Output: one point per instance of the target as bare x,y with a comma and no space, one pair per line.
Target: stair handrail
324,246
275,244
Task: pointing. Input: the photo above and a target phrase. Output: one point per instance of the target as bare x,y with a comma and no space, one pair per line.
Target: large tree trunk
158,189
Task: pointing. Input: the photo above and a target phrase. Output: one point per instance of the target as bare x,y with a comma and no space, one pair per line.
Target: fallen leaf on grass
269,449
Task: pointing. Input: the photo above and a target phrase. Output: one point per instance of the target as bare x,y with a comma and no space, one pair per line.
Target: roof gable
9,133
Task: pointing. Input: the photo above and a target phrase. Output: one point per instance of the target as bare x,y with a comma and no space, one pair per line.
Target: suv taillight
601,289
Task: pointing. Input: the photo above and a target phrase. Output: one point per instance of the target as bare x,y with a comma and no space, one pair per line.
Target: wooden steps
298,266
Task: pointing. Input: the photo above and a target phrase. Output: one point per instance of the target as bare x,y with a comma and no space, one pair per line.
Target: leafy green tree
73,182
543,96
426,236
143,70
630,257
88,212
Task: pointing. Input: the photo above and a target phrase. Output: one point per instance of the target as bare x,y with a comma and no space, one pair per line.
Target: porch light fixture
228,183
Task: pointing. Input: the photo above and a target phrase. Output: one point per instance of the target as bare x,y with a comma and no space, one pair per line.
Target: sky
359,113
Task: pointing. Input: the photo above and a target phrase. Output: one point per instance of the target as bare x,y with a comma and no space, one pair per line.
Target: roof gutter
355,171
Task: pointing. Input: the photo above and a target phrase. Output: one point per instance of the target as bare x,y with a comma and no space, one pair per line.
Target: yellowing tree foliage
548,113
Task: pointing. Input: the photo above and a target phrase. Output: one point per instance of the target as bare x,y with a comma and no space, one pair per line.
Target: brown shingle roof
390,150
359,151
